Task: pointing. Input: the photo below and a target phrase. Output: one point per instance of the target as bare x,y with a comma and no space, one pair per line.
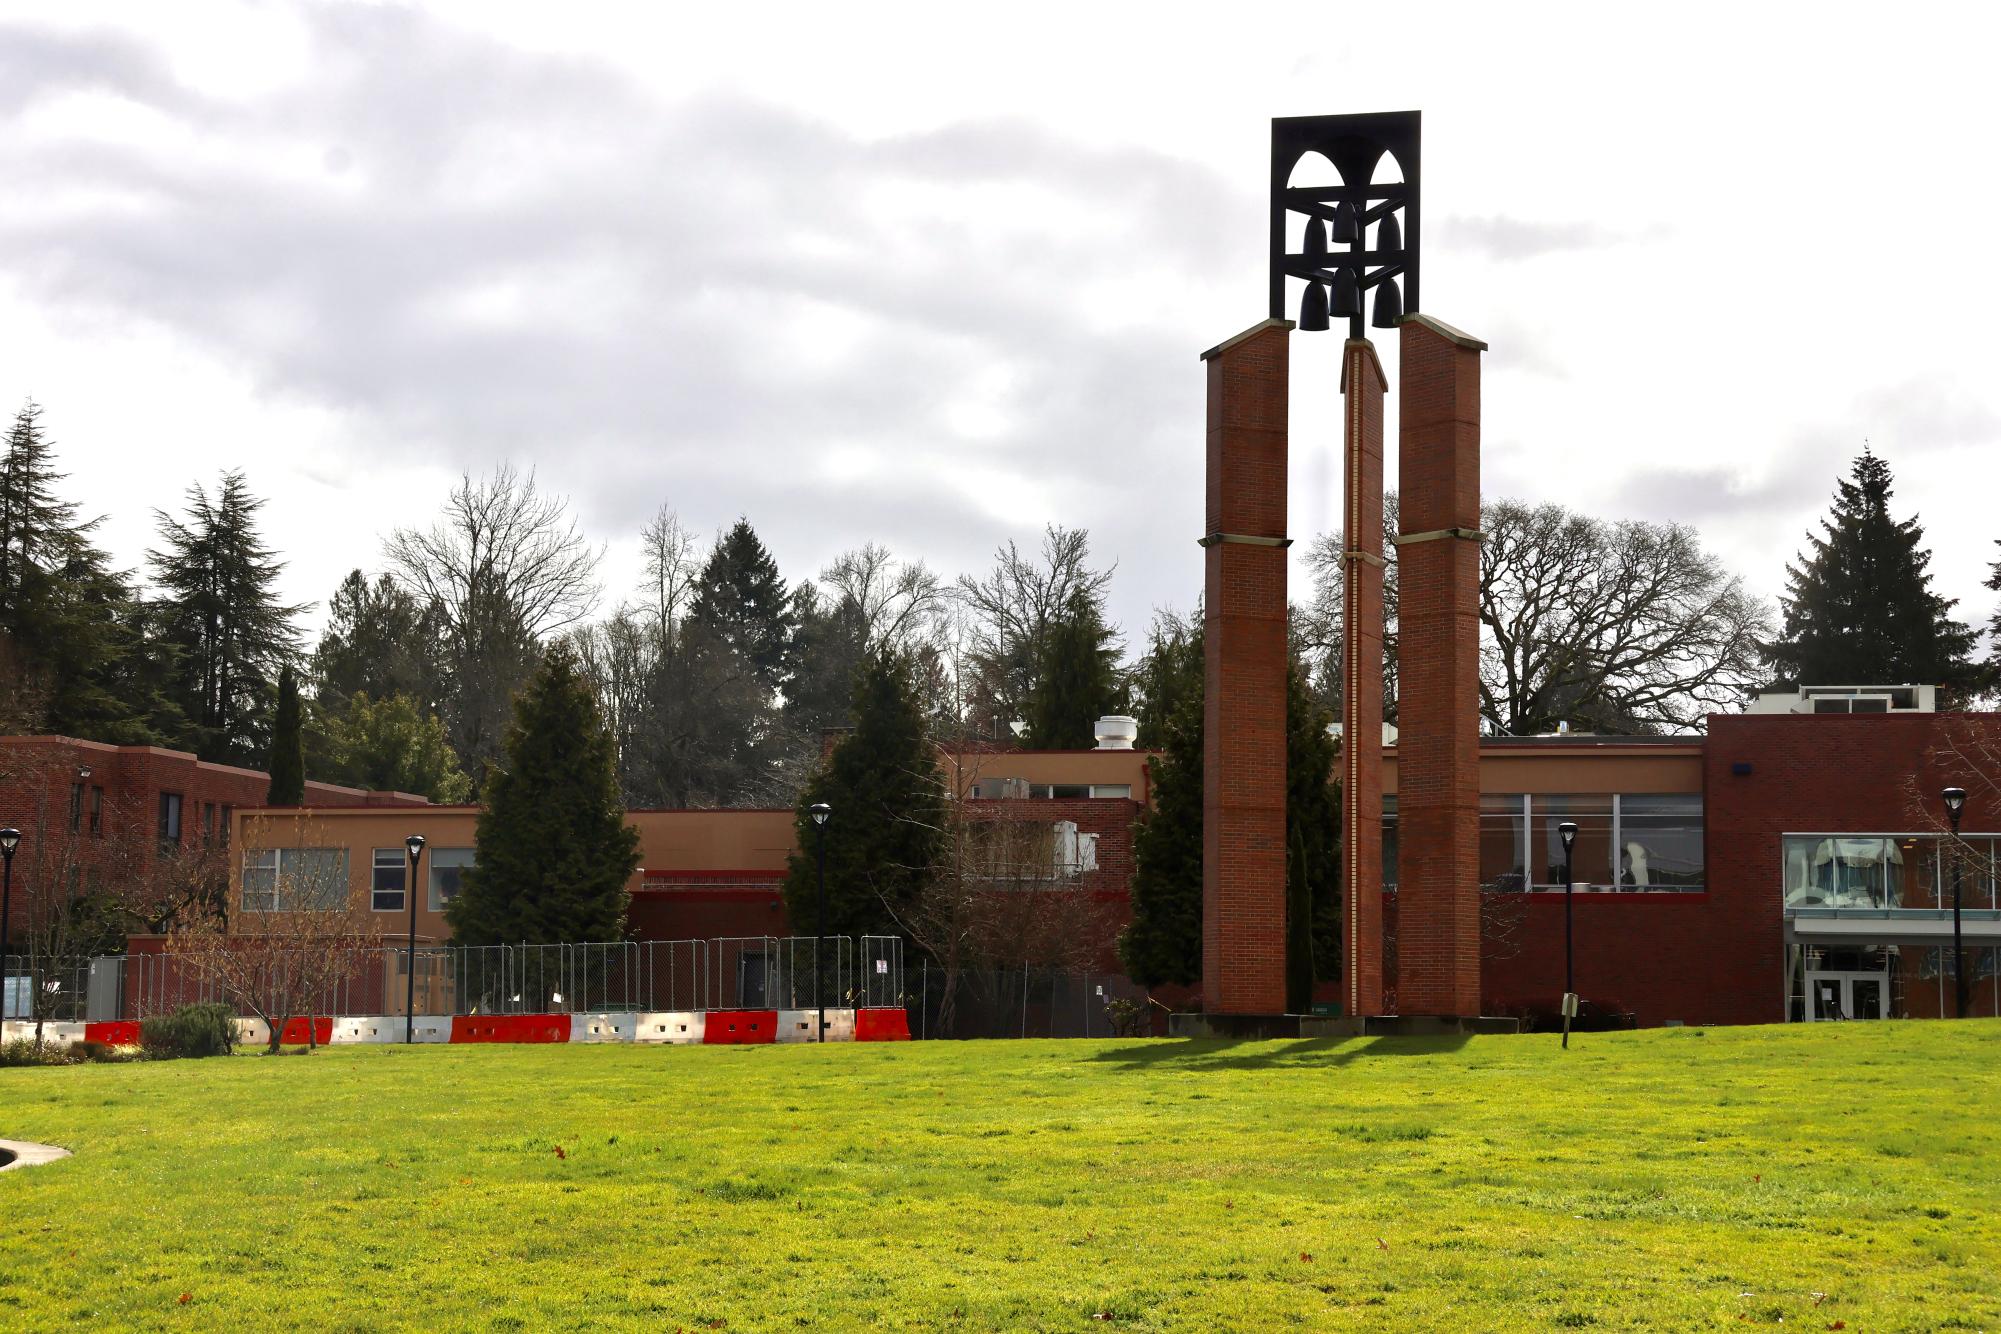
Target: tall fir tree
1859,606
1077,680
742,600
885,836
288,744
65,616
1162,945
379,641
217,586
554,853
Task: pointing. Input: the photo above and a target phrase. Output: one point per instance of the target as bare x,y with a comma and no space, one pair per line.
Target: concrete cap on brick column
1254,330
1382,380
1446,331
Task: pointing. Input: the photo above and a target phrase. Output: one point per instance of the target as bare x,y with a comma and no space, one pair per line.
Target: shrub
192,1030
26,1051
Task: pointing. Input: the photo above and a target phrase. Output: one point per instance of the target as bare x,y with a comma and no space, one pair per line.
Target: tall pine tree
884,785
1859,607
288,745
554,854
379,641
66,625
1312,843
217,586
1077,680
742,600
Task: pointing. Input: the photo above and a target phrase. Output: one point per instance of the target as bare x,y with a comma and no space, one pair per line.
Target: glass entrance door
1847,995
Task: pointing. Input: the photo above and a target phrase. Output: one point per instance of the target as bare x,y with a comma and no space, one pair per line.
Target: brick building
1785,866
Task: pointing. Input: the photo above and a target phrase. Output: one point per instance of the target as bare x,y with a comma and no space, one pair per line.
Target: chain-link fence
1024,1003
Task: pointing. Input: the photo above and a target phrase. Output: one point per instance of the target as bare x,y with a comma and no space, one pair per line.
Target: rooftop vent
1115,731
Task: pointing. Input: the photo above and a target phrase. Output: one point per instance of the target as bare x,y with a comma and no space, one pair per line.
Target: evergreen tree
829,646
222,615
1859,606
742,600
1162,946
1312,841
1169,670
379,641
1076,682
1994,626
389,745
65,615
885,835
554,853
288,748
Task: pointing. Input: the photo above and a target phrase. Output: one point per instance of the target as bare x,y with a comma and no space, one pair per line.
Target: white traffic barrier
798,1025
252,1033
676,1026
389,1028
601,1028
23,1030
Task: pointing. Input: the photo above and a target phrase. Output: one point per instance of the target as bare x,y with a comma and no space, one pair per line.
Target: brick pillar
1362,388
1438,627
1243,757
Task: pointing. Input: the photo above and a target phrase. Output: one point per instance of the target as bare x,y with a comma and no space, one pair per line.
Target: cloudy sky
936,275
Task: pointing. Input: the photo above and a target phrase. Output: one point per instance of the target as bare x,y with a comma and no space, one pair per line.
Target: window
1062,791
386,880
227,813
1112,790
208,822
97,812
295,880
1591,856
1503,841
1660,842
448,868
170,818
75,807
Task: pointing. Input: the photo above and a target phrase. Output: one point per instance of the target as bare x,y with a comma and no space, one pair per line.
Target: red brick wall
1362,386
1243,794
1438,648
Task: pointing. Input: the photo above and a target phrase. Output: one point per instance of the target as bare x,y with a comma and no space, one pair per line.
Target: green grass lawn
1827,1176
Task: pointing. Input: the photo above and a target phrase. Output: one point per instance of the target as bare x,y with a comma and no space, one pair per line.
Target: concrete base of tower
1260,1027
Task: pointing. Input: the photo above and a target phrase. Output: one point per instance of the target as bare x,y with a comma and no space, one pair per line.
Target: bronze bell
1313,308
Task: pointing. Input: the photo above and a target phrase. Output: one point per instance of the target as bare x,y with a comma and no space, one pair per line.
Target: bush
192,1030
26,1051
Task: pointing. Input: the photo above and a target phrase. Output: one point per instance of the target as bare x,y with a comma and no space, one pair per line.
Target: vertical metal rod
6,914
410,983
820,931
1958,951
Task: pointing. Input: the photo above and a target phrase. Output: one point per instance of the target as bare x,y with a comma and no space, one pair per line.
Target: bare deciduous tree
1009,612
1612,627
293,941
894,602
673,564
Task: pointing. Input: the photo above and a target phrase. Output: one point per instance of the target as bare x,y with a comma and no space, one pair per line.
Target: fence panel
882,972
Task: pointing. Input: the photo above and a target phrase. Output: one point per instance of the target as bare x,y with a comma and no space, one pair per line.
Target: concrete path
20,1153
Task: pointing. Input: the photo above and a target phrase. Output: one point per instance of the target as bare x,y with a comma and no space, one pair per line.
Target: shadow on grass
1224,1054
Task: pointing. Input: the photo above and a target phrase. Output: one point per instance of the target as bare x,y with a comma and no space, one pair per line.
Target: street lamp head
1955,802
821,812
10,838
83,771
1567,831
416,845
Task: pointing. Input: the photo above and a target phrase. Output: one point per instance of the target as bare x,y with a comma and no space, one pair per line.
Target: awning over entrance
1882,926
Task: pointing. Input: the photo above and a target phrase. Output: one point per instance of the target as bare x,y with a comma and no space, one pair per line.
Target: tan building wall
1579,766
1055,768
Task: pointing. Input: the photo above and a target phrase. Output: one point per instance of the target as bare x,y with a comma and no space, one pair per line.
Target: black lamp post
1567,831
10,838
1955,802
415,843
820,811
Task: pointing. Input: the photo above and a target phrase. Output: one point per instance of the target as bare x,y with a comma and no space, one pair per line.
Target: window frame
400,859
432,899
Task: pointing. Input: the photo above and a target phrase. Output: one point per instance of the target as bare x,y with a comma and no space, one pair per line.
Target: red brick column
1243,776
1438,738
1362,387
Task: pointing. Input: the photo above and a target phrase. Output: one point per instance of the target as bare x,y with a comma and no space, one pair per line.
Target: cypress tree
288,745
888,801
1859,606
554,854
1076,680
742,600
223,619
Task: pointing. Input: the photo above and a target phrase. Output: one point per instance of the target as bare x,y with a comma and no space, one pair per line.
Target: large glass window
1843,872
1660,842
1503,841
1591,857
295,880
448,868
386,878
170,818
